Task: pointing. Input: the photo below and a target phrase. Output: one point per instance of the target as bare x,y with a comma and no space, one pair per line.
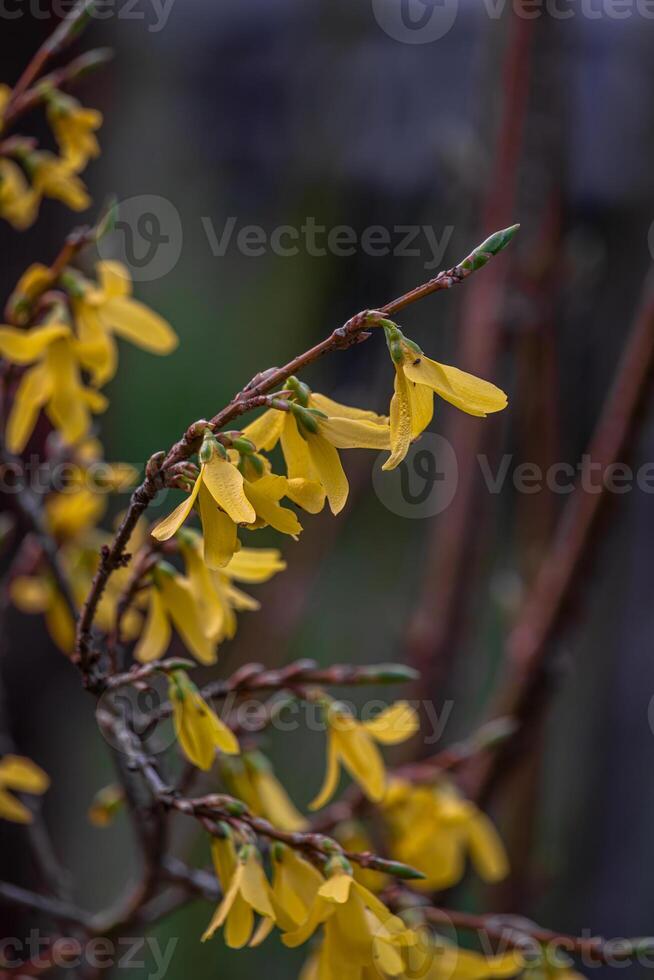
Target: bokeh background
452,120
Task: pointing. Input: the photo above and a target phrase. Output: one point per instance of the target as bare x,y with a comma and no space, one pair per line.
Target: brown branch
529,643
253,395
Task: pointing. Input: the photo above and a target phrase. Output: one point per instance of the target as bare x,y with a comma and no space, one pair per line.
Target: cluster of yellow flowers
28,174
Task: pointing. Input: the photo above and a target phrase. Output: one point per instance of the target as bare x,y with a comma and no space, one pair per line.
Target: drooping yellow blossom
74,129
226,499
215,591
19,202
199,730
295,886
172,600
438,959
435,829
106,804
359,931
251,778
352,743
36,279
246,890
417,380
311,434
22,776
108,309
38,594
55,177
52,383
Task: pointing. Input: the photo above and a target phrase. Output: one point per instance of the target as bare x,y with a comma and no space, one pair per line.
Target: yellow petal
225,484
486,849
115,279
67,408
186,615
421,406
20,773
264,495
13,809
327,463
239,925
30,594
255,888
353,434
265,431
219,532
96,349
276,804
25,346
401,424
362,759
60,624
336,409
155,638
307,494
227,903
255,564
393,725
296,452
32,393
330,782
464,391
337,888
171,524
137,323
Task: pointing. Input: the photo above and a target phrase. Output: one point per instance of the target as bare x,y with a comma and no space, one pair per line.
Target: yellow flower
226,500
245,891
417,380
55,177
171,599
107,309
106,804
19,202
38,594
74,129
215,591
352,743
36,279
23,776
311,434
199,730
439,959
53,383
435,829
253,780
359,931
295,886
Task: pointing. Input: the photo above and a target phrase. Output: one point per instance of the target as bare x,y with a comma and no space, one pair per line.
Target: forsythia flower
171,598
295,886
106,804
215,591
251,779
442,960
434,829
53,382
55,177
23,776
417,380
199,730
226,499
38,594
352,743
74,129
311,434
107,309
19,202
245,891
359,931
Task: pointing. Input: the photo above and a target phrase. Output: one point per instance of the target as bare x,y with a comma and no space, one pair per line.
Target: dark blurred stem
527,684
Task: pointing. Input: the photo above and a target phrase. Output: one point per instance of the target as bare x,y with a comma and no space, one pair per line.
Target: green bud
336,864
73,283
305,417
236,808
488,248
210,445
389,673
244,445
399,870
301,391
